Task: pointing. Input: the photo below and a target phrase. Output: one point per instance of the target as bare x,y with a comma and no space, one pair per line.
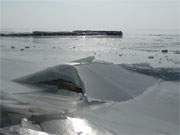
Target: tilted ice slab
103,81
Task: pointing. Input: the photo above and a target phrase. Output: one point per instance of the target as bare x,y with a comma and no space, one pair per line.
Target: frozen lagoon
152,109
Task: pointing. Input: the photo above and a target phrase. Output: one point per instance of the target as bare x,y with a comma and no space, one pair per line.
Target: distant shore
65,33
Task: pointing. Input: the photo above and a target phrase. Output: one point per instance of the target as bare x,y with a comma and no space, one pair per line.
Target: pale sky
58,15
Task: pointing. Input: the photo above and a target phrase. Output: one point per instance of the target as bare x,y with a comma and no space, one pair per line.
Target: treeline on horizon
66,33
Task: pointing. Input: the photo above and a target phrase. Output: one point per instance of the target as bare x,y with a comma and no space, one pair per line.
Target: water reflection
83,37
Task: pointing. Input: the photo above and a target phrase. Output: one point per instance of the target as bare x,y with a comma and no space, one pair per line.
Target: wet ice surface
151,105
132,48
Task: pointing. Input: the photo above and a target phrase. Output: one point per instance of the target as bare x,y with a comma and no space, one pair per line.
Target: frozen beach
131,85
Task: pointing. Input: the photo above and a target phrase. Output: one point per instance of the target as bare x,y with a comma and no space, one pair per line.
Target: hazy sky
28,15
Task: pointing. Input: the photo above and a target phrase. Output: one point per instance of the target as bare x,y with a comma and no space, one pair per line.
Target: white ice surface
155,111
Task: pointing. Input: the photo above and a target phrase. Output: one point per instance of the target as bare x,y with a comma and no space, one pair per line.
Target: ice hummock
102,81
62,76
